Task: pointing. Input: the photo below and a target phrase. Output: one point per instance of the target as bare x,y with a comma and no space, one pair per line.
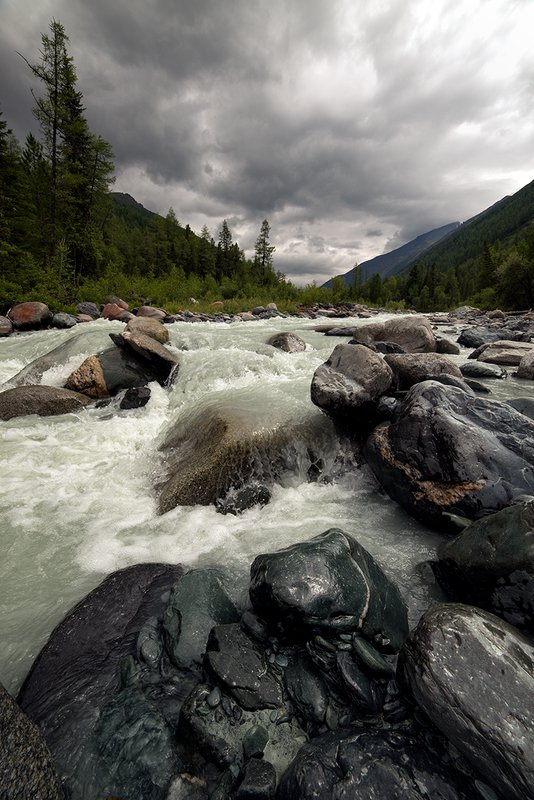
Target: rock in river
411,368
46,401
473,675
449,451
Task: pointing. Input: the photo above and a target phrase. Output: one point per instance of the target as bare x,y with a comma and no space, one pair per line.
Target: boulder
411,368
332,584
350,381
88,379
259,780
526,366
26,766
525,405
199,601
6,326
474,369
507,353
477,336
446,451
151,312
61,320
160,361
413,334
491,564
99,727
135,397
27,316
447,347
150,327
214,450
46,401
111,371
112,299
363,763
114,311
88,309
473,675
288,342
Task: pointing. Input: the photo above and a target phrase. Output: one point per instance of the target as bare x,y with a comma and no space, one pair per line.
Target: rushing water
77,491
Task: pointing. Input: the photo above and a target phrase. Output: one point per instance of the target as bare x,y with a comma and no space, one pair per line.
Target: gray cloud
351,127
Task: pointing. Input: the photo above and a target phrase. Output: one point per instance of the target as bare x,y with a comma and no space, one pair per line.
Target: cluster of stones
35,316
163,685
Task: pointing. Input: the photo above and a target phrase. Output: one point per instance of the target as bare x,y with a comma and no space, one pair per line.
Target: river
77,492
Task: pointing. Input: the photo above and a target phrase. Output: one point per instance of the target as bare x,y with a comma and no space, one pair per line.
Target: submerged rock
491,564
329,583
350,381
26,766
473,675
77,674
474,369
46,401
449,451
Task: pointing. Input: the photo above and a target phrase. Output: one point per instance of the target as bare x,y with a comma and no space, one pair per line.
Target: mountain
502,222
395,261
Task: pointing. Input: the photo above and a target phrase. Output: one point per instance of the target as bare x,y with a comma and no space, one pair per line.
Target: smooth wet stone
447,347
45,401
159,359
110,372
27,769
491,564
411,368
473,675
259,781
239,664
307,688
62,320
88,309
199,601
525,369
32,373
29,316
353,378
254,742
151,312
448,452
478,335
475,369
135,397
329,583
506,353
525,405
150,327
77,672
288,342
238,500
363,692
362,763
115,311
219,733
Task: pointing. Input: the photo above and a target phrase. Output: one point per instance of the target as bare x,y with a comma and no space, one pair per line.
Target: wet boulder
216,449
29,316
288,342
473,675
474,369
351,381
62,320
413,334
135,397
114,311
26,766
478,335
6,326
525,369
111,371
151,312
447,451
491,564
71,691
363,763
525,405
46,401
447,347
411,368
160,360
505,353
150,327
329,583
88,309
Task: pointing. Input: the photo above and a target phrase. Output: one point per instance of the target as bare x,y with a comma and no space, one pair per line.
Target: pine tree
263,251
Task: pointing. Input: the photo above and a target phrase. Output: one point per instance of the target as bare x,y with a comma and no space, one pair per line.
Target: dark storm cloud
351,127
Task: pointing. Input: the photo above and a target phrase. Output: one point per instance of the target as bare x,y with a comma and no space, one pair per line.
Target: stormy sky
351,125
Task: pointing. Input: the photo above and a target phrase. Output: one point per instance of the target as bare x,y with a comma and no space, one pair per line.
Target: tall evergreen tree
263,250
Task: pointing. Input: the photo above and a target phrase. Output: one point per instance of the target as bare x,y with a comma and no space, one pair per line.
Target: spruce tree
263,251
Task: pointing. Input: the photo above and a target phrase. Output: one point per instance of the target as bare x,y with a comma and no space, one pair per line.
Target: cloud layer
352,127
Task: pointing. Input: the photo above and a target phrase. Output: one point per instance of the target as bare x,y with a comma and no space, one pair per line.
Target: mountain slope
396,260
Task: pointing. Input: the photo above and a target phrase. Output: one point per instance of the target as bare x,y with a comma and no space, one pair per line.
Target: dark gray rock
306,688
46,401
366,764
476,386
31,374
136,397
240,665
525,370
476,336
329,583
26,766
452,380
387,347
413,333
525,405
506,353
473,675
199,601
259,781
491,564
77,674
447,451
89,309
474,369
238,500
447,347
62,320
351,380
161,361
288,342
411,368
110,372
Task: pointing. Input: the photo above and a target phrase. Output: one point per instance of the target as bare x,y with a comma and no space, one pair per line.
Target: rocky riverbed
320,674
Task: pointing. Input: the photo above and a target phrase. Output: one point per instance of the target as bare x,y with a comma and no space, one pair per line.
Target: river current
77,492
